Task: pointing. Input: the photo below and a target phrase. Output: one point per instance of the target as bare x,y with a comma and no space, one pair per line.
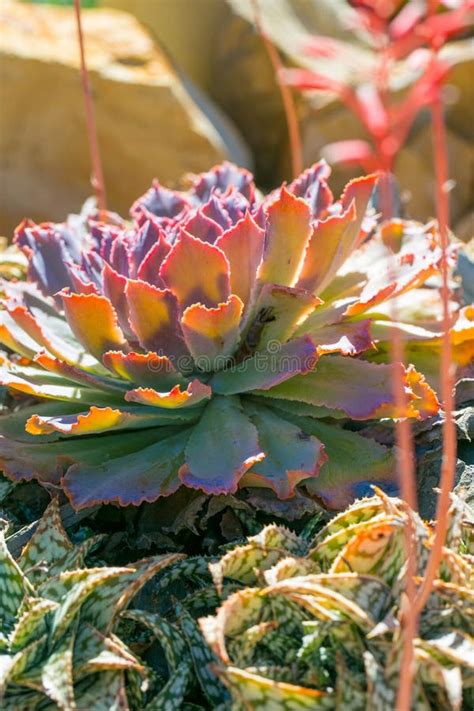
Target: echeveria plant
216,340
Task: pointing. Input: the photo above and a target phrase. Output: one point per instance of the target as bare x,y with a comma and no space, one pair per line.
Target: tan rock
415,171
149,123
185,28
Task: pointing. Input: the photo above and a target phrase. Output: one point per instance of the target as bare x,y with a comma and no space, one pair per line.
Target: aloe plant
217,340
315,623
58,628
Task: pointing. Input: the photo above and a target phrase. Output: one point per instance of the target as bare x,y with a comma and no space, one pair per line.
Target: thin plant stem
448,465
96,163
403,438
294,137
406,473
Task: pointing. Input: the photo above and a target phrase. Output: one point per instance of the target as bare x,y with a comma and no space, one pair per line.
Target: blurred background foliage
182,84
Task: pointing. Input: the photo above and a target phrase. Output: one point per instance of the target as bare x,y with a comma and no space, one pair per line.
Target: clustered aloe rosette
59,646
316,623
214,341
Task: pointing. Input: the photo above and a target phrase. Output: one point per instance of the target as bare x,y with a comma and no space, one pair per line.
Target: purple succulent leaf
311,185
47,252
159,201
267,369
144,475
215,210
222,177
203,227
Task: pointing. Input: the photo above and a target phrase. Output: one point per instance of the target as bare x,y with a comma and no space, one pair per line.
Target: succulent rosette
216,340
316,624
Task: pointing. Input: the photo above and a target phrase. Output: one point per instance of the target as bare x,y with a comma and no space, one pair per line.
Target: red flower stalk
96,163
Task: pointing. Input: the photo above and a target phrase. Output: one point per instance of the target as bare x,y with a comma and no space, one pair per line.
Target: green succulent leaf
223,420
203,660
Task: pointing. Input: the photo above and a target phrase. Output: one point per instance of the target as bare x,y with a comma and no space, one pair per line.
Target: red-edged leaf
15,338
395,275
144,475
48,333
222,447
158,201
196,272
47,461
348,338
114,289
149,269
145,369
93,321
311,186
361,389
220,178
96,420
353,464
71,372
242,244
154,318
278,311
203,227
291,455
333,239
267,368
212,334
39,383
195,392
286,235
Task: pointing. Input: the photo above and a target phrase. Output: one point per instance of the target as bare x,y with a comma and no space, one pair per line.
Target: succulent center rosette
216,340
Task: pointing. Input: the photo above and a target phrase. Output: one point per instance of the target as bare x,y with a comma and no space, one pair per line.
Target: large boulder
151,120
232,64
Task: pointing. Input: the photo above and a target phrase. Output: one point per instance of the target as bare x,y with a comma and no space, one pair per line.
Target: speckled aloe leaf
94,652
292,455
445,680
168,635
203,659
360,598
106,603
12,666
47,546
455,647
72,588
57,674
257,692
223,420
380,695
13,586
102,692
5,487
31,622
171,696
262,551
